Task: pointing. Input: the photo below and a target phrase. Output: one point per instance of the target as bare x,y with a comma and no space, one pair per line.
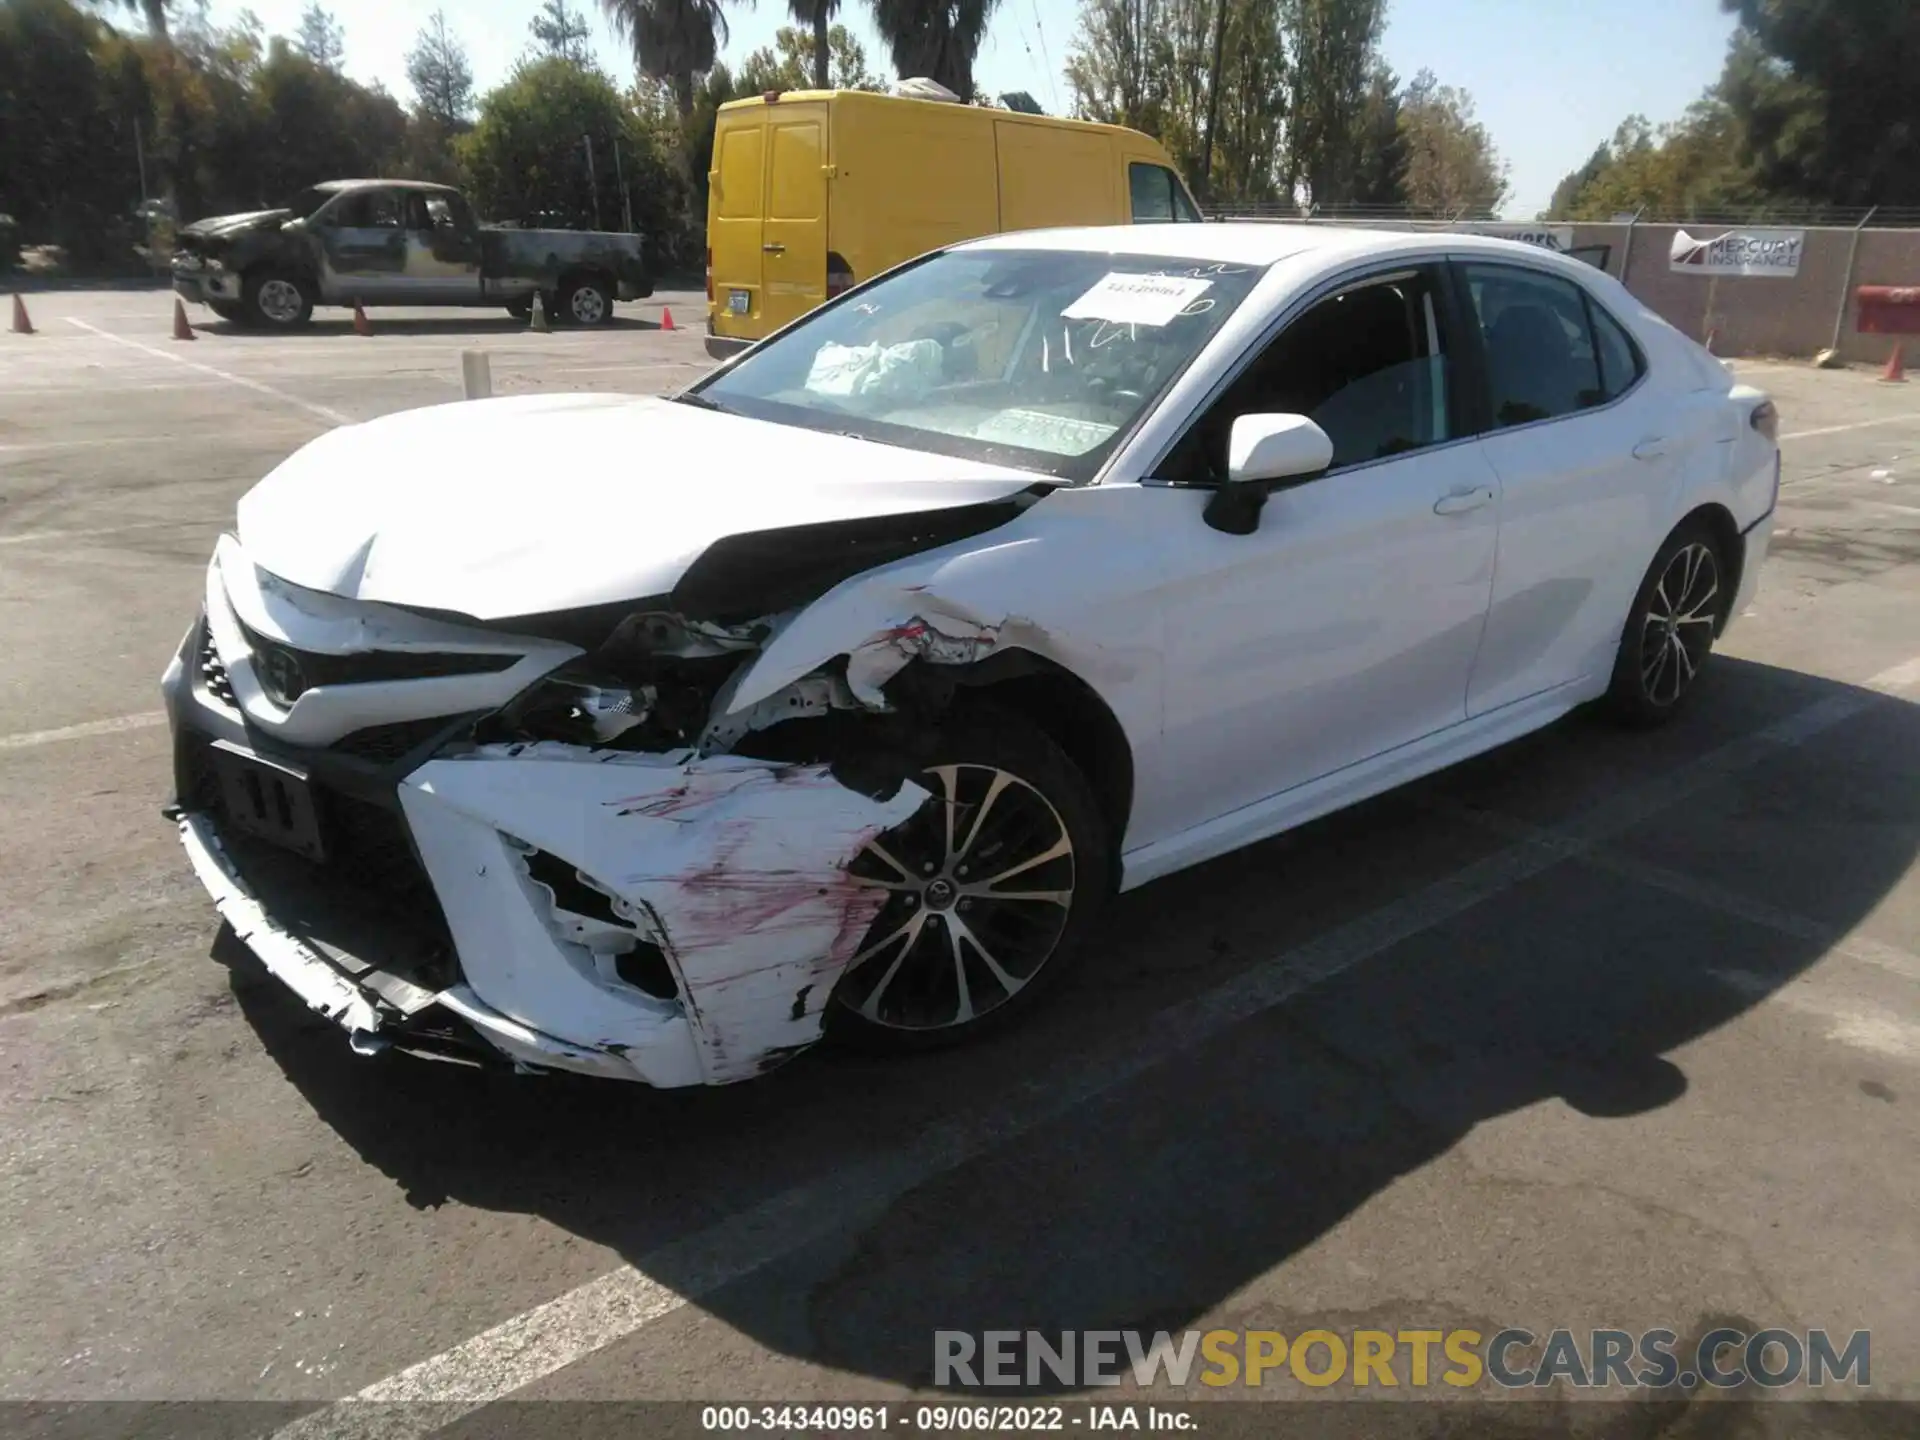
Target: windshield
307,201
1037,359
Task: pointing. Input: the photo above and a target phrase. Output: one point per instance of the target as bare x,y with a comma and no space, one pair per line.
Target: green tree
440,74
815,14
1567,193
1335,46
320,38
1452,168
562,32
525,155
938,39
788,64
1380,176
1823,98
672,40
154,12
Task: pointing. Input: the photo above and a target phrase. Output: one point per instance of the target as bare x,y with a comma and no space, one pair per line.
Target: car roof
1257,242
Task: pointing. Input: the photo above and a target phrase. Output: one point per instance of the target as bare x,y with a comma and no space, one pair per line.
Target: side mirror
1265,452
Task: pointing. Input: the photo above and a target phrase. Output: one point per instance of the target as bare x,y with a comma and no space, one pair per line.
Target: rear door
443,249
793,240
736,192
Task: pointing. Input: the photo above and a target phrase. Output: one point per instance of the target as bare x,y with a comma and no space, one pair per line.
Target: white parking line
495,1363
1856,425
1871,1028
35,537
145,720
325,412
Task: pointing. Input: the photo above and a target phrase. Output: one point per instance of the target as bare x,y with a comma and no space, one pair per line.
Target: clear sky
1551,78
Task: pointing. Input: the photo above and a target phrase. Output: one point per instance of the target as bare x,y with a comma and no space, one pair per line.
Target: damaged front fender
734,868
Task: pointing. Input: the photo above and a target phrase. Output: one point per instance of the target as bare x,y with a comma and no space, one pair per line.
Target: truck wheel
276,300
586,301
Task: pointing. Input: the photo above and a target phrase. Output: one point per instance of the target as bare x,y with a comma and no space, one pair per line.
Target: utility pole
1213,96
593,181
620,176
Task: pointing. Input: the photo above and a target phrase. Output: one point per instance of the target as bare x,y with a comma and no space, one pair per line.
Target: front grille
287,673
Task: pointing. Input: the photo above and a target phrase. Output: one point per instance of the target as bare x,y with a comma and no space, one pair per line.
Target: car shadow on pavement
1164,1195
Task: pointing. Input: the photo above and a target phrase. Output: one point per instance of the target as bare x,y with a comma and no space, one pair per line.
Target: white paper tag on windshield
1126,299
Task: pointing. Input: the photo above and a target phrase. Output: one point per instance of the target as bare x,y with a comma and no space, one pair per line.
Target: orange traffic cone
21,324
1896,371
181,329
361,325
666,318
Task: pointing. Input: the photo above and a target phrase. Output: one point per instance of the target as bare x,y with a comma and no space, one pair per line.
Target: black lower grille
387,743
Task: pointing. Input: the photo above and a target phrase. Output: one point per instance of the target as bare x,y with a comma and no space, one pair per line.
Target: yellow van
812,191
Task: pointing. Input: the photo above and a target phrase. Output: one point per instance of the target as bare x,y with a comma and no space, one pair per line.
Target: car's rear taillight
709,274
1766,420
839,275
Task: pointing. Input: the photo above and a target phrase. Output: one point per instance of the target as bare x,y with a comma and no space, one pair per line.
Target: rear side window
1158,195
1542,360
1621,364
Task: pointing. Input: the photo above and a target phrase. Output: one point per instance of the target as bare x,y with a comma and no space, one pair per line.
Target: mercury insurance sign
1740,252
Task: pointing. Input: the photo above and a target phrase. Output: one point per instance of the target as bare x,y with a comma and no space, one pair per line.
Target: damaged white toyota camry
655,738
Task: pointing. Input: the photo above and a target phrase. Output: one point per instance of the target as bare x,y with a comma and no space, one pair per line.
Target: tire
275,300
1018,798
585,300
1669,634
520,309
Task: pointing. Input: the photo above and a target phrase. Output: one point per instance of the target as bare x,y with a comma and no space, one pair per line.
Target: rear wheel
586,300
1670,631
990,888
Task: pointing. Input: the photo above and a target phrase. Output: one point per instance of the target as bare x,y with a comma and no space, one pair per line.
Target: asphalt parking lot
1599,1030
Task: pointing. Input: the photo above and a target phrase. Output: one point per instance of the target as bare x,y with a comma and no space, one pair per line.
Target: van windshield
1036,359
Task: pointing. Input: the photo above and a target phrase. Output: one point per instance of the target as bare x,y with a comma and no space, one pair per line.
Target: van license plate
273,802
739,301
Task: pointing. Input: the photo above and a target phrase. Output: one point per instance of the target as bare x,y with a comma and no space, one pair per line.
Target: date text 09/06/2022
841,1419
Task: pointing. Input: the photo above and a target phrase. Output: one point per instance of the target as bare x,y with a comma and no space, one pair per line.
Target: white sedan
656,738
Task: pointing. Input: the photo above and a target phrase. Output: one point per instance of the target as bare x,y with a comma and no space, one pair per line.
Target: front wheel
586,301
276,301
1670,630
991,885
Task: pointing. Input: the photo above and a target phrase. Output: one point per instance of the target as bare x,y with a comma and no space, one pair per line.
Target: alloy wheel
280,301
1677,631
588,305
980,884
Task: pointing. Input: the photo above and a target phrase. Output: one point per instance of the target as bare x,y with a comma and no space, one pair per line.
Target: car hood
221,225
529,505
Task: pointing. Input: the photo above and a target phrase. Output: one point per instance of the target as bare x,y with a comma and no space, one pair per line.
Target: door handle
1650,449
1459,502
774,249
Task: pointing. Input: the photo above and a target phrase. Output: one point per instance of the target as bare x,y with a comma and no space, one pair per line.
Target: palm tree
934,38
673,40
816,13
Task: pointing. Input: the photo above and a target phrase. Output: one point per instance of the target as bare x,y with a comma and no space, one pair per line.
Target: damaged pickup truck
398,242
658,738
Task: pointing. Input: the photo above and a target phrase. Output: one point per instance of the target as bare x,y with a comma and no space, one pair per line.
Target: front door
793,245
363,242
1347,624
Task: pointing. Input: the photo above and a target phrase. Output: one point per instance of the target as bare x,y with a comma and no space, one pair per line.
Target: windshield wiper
701,402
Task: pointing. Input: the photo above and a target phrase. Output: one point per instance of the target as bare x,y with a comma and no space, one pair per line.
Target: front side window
1158,196
1542,362
1368,366
1037,359
369,210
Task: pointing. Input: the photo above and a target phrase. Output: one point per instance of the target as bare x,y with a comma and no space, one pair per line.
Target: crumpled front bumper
555,869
